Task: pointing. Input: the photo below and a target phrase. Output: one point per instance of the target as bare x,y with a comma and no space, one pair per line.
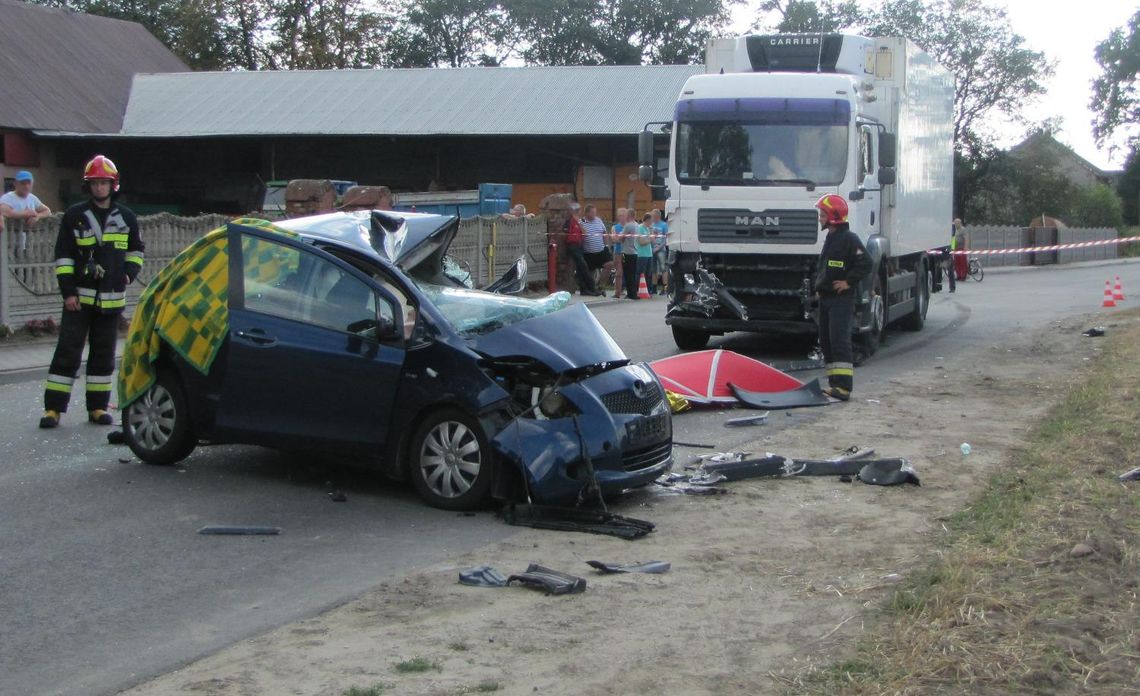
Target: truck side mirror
645,148
887,147
886,176
645,173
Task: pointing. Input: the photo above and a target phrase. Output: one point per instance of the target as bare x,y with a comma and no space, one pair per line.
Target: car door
305,364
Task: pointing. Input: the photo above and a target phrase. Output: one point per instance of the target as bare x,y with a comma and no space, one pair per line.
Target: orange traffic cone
1118,291
642,289
1108,301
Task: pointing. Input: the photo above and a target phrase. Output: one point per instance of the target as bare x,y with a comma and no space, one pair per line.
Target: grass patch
416,664
488,686
374,690
459,646
1012,606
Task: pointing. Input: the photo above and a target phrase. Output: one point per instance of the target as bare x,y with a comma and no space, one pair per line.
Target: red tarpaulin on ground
703,377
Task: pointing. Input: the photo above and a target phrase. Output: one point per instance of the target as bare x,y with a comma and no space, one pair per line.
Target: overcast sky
1067,33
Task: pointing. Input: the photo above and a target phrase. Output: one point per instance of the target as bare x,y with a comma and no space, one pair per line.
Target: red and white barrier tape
1030,250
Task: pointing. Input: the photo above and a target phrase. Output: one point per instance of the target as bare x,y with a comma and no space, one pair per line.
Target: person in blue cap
21,210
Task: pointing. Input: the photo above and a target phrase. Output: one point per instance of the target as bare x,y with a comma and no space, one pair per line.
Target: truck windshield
762,142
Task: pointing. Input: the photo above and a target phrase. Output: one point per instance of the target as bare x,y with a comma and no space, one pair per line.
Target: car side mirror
386,329
513,281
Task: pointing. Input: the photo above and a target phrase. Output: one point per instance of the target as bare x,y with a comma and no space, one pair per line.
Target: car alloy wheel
157,425
152,418
450,461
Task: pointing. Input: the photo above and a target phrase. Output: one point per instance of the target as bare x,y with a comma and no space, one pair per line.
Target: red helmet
834,207
101,167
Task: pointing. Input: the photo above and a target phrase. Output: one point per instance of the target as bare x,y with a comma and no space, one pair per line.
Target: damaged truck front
778,122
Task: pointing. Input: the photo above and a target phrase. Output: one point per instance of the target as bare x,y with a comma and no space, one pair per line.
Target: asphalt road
104,581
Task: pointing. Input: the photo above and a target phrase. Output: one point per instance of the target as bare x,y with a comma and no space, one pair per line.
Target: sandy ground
766,580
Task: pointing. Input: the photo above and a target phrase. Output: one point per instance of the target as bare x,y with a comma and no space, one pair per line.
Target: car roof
397,237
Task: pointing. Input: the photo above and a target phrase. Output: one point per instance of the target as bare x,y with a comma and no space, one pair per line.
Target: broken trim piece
653,567
810,394
552,581
575,520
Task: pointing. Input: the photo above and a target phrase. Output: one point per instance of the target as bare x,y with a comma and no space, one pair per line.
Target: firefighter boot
50,419
100,417
838,393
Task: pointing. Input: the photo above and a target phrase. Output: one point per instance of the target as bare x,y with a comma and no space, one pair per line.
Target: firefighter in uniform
843,262
97,253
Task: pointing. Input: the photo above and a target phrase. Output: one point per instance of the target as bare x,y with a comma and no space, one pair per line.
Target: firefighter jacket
843,258
96,251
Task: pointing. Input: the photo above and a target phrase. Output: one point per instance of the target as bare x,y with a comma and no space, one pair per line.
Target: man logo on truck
758,220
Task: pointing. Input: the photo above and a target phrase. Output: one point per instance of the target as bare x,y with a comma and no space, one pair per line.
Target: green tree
615,32
452,33
995,74
1116,92
1097,206
1128,187
323,34
802,16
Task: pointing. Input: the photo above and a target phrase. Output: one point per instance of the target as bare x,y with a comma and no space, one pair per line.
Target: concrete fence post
5,275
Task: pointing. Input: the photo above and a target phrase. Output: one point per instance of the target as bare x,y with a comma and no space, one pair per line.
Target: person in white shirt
23,208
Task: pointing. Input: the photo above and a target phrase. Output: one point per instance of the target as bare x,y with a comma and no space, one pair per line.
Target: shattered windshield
474,312
762,142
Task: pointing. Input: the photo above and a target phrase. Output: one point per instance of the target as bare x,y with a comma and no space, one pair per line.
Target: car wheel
690,339
157,425
870,339
450,461
916,319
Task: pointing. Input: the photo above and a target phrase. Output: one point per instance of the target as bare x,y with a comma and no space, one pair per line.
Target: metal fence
981,237
28,289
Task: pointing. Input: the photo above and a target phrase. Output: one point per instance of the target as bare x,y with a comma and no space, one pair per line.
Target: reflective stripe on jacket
93,261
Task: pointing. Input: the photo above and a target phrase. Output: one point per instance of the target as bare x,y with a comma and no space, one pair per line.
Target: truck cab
774,124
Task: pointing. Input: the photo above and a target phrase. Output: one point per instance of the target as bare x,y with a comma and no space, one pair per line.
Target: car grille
646,457
625,401
757,227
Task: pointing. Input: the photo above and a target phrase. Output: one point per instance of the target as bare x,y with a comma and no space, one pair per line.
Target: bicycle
974,269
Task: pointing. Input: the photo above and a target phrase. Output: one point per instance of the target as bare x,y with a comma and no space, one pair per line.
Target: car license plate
646,429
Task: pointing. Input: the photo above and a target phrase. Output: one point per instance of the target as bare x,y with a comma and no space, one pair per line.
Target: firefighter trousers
100,331
836,317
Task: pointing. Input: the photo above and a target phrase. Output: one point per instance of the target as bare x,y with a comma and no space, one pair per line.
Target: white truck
776,122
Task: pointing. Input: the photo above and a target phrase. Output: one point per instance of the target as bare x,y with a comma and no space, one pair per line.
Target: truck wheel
690,339
869,340
157,425
450,461
916,319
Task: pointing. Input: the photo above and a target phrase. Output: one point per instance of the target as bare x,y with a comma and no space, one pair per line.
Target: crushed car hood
564,340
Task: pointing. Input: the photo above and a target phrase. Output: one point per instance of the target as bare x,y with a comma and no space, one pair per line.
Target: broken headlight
533,388
551,404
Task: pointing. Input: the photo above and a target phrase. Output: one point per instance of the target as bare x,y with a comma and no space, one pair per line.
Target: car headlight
552,404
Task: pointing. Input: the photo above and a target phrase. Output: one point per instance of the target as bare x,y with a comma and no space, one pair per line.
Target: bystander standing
22,210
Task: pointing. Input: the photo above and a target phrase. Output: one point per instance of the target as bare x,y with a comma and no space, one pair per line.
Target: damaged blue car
356,334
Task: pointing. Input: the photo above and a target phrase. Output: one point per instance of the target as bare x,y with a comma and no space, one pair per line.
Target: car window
284,281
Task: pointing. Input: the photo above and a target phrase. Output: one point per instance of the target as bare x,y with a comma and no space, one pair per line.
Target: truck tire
690,339
916,319
869,340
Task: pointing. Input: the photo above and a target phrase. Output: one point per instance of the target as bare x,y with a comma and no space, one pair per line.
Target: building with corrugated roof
65,72
209,138
208,141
